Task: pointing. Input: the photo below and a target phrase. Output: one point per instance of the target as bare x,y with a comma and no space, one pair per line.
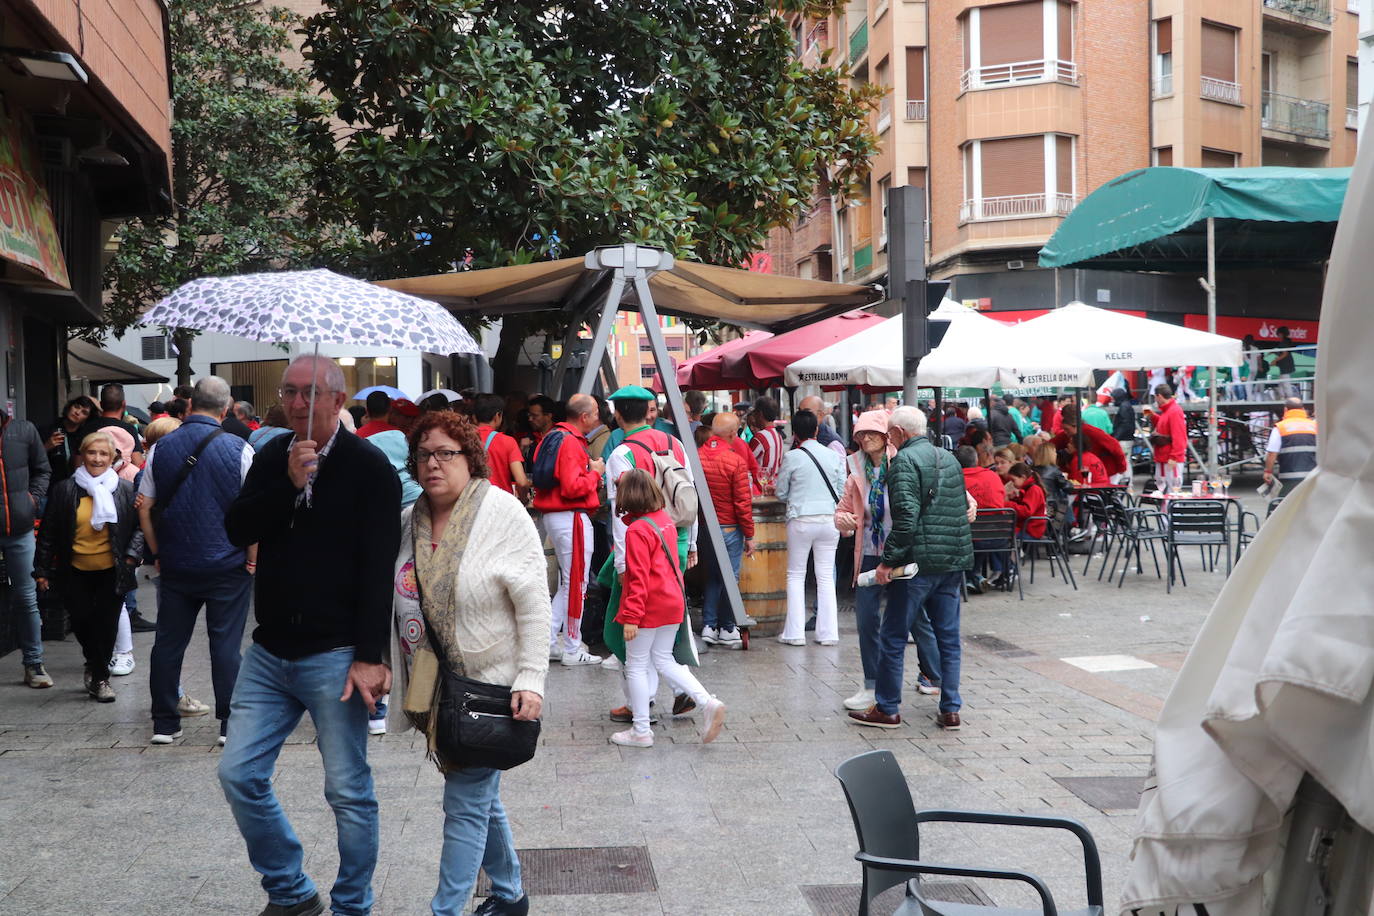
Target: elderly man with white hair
925,490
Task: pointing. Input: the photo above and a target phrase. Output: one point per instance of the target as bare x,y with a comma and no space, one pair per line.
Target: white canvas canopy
1112,340
976,352
1280,682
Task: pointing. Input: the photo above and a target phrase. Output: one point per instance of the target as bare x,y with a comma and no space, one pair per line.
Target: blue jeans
868,616
270,697
938,594
927,649
476,835
180,597
716,609
18,550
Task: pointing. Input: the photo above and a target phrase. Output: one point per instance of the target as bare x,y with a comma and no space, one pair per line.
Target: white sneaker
628,738
791,642
166,739
860,701
190,706
121,664
827,642
710,636
730,638
555,653
712,718
611,663
580,657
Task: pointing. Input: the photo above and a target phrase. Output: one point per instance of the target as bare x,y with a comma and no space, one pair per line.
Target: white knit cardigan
502,593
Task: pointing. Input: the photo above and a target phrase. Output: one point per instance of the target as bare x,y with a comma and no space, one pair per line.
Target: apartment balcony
995,76
1221,90
1352,118
863,258
858,41
1018,206
1308,13
1302,118
915,109
1162,86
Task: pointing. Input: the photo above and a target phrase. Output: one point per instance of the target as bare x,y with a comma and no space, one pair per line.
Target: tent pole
939,414
601,335
1078,402
1211,328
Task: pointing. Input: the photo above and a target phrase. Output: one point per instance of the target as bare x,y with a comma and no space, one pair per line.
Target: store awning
1156,219
689,290
86,360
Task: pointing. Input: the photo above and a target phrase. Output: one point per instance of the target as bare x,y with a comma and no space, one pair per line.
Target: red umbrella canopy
702,371
762,366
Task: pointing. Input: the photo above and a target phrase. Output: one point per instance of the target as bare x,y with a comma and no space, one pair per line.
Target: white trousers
805,538
124,636
559,527
1126,475
653,649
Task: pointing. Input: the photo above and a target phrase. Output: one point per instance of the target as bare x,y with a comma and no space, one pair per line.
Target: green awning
1156,219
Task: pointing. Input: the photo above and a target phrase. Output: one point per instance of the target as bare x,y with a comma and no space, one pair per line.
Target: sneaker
555,654
311,906
88,681
628,738
926,688
121,664
189,706
140,624
683,704
730,638
710,636
495,906
165,739
580,657
712,718
610,662
876,718
36,677
860,701
103,692
977,585
1078,534
791,642
624,714
949,721
827,642
811,623
223,731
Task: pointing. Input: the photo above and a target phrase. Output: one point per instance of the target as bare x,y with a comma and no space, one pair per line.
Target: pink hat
871,421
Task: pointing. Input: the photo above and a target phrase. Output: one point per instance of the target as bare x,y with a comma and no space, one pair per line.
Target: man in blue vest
195,473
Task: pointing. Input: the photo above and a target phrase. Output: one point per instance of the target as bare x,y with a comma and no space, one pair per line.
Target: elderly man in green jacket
930,528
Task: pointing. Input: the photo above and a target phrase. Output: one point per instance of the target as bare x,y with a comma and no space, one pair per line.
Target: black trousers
93,606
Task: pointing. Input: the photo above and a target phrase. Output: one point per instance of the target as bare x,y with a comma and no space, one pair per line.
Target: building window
647,371
1352,94
1219,159
154,347
915,84
884,188
1162,155
916,178
1219,63
1019,177
1013,43
1164,58
882,75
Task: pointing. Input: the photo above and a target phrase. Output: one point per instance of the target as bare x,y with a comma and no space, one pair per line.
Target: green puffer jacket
937,539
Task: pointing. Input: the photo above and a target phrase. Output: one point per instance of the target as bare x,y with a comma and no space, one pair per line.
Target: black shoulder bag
163,501
820,470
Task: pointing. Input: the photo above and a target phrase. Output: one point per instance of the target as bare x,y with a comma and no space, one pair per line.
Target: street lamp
47,65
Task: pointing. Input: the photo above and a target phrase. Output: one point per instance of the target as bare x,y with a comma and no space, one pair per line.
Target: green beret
633,393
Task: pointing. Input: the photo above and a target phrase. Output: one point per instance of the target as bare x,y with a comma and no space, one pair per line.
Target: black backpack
544,474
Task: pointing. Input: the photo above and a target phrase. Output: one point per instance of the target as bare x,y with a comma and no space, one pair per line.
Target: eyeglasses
289,393
443,455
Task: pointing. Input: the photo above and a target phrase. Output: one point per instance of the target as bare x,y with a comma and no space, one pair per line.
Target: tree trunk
181,339
505,365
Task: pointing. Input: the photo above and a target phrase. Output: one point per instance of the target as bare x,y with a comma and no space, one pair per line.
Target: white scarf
101,490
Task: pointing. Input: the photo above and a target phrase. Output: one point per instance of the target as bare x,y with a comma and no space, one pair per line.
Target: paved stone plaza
98,822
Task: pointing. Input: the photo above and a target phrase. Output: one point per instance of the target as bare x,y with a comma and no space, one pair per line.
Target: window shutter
1164,36
1164,156
1352,85
1218,159
915,74
1063,165
1065,13
1012,33
1014,166
1218,52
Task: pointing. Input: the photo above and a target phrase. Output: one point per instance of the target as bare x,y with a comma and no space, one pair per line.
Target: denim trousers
938,595
181,595
716,610
476,835
868,615
18,550
270,697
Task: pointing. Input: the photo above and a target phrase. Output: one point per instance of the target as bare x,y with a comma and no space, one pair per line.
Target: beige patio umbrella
1279,682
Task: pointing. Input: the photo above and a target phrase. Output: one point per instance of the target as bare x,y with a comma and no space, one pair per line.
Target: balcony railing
1220,90
863,258
816,35
1162,86
1352,118
1299,117
858,41
1017,206
1025,71
915,109
1314,10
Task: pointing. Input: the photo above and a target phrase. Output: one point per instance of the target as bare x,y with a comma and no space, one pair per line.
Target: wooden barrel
763,577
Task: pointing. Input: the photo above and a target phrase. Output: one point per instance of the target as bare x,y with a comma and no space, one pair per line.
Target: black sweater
324,572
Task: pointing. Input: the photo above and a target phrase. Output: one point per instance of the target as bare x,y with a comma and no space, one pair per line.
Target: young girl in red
1028,500
652,607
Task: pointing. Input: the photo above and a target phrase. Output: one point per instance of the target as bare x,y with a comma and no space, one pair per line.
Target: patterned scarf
877,492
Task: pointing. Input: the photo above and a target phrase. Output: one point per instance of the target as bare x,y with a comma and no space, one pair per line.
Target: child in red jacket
1028,500
652,608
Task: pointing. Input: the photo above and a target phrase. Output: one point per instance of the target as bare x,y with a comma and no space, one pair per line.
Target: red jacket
986,487
751,464
1170,422
650,592
728,480
577,482
1099,443
1094,472
1029,501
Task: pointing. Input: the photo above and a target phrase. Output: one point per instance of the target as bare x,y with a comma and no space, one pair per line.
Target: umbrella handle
310,417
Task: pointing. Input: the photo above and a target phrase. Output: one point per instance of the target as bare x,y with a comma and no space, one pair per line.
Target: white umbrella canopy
1111,340
1280,681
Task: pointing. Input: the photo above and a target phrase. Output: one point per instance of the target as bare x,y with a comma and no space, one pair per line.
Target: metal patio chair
1200,523
998,525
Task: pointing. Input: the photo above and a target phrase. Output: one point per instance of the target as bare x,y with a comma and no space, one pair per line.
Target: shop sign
1264,330
28,235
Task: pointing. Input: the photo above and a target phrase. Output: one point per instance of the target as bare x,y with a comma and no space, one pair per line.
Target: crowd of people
407,543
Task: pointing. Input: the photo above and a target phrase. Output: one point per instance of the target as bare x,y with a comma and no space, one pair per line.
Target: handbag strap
820,470
187,467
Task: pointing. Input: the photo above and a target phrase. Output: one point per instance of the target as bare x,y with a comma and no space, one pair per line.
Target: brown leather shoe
683,704
623,714
876,717
949,721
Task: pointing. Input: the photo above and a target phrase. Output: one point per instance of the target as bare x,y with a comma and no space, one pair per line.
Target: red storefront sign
1264,330
1016,316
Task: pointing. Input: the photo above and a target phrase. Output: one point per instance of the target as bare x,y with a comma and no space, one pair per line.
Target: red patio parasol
762,366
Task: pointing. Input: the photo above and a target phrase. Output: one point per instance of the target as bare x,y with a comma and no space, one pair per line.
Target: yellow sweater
90,548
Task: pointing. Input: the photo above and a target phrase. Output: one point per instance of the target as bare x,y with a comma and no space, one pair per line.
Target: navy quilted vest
190,532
